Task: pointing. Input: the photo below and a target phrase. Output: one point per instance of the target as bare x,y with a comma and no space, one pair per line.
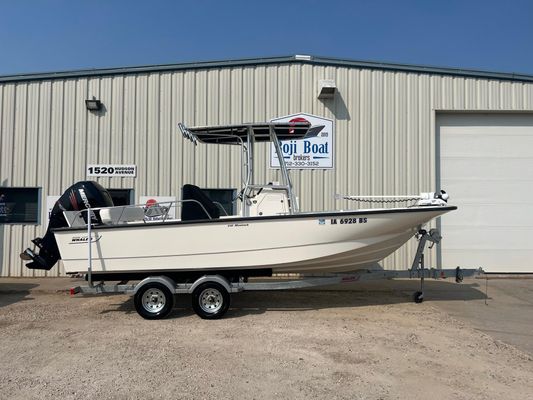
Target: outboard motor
80,196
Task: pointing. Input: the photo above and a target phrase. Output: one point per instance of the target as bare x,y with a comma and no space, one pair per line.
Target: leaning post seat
191,210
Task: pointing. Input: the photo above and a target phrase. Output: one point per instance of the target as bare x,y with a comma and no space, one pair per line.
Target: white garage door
486,165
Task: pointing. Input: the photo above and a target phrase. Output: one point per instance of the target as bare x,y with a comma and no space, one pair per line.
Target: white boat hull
318,242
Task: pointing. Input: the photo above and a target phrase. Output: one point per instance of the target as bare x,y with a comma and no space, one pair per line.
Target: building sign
159,207
313,153
111,170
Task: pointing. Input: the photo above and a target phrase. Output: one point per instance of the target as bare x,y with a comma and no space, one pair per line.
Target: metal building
398,129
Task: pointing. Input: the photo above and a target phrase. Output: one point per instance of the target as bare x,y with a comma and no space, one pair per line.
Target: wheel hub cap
211,300
153,300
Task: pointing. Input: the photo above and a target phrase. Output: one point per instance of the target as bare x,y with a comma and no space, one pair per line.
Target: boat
269,235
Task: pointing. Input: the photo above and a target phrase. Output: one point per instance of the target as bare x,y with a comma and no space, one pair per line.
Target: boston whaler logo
84,239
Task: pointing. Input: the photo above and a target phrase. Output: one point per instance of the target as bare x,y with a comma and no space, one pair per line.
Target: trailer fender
212,278
165,280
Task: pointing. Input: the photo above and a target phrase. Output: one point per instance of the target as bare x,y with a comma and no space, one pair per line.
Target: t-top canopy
237,134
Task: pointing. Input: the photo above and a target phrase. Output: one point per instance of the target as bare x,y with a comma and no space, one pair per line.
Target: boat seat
116,215
191,210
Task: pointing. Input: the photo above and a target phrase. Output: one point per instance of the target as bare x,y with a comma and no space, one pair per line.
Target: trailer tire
153,301
210,300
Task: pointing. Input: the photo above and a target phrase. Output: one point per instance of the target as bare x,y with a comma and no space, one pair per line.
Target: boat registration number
350,220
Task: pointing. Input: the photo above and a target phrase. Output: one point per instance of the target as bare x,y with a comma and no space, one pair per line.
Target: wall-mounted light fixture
93,104
326,89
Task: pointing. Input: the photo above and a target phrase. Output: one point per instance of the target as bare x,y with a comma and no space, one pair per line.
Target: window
225,198
121,197
19,205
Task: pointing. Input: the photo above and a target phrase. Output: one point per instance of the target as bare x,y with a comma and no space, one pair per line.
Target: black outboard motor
79,196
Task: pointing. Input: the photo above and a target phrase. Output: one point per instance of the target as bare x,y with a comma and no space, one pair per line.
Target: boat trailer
154,295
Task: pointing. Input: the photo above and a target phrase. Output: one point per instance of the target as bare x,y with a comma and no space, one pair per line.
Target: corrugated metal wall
385,141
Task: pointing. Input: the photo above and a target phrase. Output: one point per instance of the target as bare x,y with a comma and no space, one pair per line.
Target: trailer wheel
210,300
154,301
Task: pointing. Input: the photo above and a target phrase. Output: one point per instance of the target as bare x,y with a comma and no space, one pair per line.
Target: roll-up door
486,165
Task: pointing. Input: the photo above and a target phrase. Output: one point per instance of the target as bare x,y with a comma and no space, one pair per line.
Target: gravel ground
291,345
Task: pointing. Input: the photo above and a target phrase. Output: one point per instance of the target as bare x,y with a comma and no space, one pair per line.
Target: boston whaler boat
214,254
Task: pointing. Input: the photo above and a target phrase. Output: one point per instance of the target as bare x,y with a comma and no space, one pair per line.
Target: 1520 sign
110,170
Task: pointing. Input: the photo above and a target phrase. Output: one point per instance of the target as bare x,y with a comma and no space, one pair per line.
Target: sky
59,35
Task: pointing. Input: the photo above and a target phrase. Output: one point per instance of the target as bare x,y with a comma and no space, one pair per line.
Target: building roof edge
305,59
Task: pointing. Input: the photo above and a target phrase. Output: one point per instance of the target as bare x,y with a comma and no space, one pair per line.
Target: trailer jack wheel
418,297
458,275
154,301
210,300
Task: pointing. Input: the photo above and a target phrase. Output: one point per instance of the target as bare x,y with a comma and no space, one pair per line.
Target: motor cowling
80,196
